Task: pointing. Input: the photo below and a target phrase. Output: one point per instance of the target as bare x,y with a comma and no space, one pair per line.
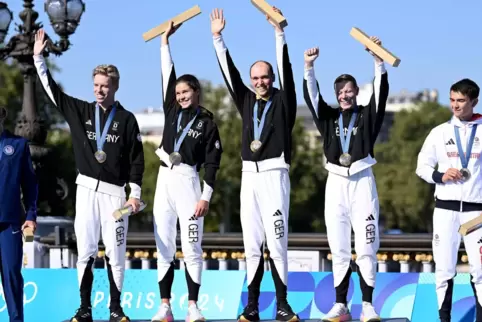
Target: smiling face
462,106
106,84
262,78
346,91
186,96
464,96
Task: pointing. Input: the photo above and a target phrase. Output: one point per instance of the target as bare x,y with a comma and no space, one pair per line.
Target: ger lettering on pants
178,190
94,210
265,202
352,203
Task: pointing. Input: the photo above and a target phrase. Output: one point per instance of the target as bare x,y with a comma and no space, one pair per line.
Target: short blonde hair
110,71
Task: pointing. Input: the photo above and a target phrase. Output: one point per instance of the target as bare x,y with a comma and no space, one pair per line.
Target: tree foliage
406,201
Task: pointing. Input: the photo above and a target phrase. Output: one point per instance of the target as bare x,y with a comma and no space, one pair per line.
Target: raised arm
319,109
67,105
285,71
378,101
136,157
29,185
237,89
168,72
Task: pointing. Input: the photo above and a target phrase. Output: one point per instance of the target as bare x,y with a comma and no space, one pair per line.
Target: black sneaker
285,313
250,313
118,315
83,314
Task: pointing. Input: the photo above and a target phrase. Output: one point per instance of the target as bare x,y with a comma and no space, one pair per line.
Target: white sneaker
368,313
194,314
338,313
164,314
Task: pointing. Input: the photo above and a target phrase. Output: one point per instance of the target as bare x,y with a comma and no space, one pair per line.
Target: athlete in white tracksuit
351,199
190,136
458,192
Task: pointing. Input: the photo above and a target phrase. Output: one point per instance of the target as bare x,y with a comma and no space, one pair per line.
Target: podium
230,320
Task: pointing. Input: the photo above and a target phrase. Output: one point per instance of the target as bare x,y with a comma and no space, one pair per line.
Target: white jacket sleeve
427,160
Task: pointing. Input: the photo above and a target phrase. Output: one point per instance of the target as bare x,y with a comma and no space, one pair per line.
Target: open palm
40,42
217,21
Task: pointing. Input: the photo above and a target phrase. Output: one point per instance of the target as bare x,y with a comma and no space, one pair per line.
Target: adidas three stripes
178,191
352,202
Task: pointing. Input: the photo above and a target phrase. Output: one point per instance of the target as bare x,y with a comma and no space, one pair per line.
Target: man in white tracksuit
455,146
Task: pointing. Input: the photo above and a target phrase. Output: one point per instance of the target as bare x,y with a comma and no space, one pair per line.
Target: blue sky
437,41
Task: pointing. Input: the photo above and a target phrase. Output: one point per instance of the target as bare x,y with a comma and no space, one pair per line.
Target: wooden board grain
181,18
382,52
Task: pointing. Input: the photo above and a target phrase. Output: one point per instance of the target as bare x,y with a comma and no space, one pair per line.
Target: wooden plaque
379,50
160,29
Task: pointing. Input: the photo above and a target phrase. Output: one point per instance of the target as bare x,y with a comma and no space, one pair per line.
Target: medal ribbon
259,128
101,139
178,142
345,141
465,157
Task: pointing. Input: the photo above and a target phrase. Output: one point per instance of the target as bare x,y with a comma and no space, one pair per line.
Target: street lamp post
64,16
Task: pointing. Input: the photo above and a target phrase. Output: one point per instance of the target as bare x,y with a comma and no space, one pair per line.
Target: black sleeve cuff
437,177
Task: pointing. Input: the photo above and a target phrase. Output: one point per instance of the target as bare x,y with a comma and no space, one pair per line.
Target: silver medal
465,173
100,156
345,159
255,145
175,158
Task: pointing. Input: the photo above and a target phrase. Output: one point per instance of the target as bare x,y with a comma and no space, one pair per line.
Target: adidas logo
480,241
193,217
89,122
277,213
370,218
450,142
283,313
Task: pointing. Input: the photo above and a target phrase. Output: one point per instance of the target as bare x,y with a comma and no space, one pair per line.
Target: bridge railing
306,252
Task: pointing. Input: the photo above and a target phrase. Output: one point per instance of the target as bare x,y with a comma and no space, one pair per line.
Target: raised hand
171,29
40,42
278,28
377,41
311,55
217,21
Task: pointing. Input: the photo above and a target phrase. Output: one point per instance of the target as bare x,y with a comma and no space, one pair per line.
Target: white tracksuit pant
352,202
178,191
446,243
94,218
265,201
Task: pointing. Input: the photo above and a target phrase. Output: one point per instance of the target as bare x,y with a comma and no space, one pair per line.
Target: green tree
11,91
406,201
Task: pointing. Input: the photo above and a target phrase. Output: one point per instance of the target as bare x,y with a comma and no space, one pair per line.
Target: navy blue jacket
17,180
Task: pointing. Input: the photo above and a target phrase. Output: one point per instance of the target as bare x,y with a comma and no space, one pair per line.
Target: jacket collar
476,119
